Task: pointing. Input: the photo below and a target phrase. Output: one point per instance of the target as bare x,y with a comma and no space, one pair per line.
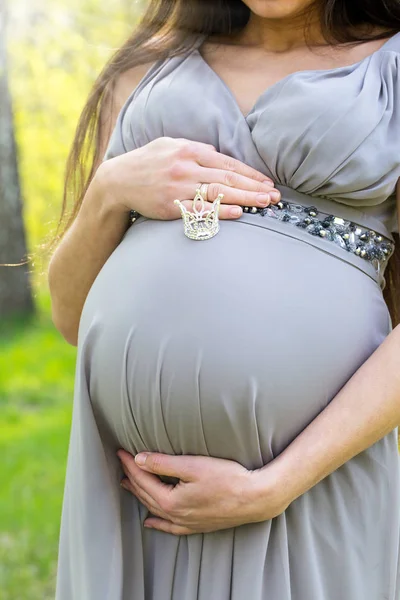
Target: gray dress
230,347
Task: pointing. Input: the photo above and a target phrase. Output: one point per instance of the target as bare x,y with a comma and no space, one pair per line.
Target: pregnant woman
259,368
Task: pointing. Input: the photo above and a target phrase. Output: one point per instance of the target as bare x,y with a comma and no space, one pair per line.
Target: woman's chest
334,133
248,72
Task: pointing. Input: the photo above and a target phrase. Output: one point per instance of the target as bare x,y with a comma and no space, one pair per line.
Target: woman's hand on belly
212,493
149,179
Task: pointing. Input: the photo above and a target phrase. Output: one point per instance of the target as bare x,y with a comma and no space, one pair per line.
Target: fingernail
236,212
123,484
140,459
275,195
268,181
263,199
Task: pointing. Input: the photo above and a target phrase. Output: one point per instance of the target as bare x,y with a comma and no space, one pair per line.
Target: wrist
105,188
98,210
271,490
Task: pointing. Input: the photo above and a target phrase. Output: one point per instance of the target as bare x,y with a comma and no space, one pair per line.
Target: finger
235,180
137,474
217,160
238,196
167,526
196,146
143,497
225,211
183,466
140,476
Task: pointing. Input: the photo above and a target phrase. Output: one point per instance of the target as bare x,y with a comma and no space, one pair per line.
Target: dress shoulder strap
392,43
116,145
198,40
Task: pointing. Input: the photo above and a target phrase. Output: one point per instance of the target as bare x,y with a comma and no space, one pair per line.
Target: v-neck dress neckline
281,82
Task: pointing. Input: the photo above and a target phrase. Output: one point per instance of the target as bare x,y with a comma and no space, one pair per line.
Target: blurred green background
55,50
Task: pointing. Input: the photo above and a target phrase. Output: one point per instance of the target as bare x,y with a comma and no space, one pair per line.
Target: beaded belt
354,238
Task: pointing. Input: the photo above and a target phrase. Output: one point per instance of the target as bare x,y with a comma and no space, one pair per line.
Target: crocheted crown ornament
200,224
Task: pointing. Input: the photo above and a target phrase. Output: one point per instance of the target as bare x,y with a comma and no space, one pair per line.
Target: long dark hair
167,29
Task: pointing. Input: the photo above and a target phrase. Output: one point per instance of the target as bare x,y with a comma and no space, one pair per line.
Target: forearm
91,239
365,410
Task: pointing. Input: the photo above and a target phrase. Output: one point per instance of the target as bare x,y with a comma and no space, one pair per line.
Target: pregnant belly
227,347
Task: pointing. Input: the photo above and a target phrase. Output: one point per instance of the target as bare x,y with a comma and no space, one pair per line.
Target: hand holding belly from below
211,494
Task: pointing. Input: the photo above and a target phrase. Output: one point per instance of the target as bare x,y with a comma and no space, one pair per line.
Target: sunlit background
55,50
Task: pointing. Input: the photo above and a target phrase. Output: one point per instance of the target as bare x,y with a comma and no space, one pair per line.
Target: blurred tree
15,289
56,50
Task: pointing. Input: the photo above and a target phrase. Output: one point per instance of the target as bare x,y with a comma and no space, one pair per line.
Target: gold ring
204,191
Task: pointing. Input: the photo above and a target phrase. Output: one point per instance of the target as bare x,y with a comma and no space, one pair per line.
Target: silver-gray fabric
230,347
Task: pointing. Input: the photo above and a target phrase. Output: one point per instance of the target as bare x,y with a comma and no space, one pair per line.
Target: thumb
184,467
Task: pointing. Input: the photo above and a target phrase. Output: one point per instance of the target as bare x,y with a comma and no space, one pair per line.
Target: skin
213,493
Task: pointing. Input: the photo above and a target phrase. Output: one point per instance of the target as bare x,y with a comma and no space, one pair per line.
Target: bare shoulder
115,96
127,82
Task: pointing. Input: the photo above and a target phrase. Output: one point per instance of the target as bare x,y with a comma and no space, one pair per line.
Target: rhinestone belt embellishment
354,238
350,236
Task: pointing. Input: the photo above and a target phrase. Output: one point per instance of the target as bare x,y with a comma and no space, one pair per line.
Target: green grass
36,389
